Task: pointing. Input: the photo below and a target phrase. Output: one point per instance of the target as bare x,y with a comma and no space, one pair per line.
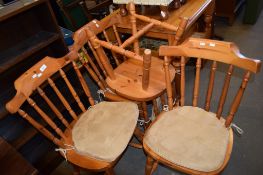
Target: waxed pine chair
138,74
54,97
192,139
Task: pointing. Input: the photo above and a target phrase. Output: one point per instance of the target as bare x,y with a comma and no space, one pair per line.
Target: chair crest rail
225,52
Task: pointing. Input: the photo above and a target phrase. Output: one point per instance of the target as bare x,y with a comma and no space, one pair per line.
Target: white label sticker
163,14
202,44
39,75
212,44
43,67
34,76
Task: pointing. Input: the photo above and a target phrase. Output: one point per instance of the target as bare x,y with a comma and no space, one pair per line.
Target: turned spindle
146,68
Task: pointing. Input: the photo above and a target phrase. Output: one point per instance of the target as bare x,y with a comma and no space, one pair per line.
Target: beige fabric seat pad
103,132
190,137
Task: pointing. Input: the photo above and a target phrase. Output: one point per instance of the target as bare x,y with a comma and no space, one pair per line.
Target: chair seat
103,132
190,137
129,77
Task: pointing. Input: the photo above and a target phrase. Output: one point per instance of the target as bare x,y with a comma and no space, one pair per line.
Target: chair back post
131,7
101,54
117,36
84,85
97,59
167,61
180,31
224,91
237,99
210,86
40,128
113,53
53,107
146,68
197,80
89,60
182,81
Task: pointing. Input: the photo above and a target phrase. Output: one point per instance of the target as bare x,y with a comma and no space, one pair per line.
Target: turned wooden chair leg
177,4
145,115
123,10
109,171
138,134
164,12
151,165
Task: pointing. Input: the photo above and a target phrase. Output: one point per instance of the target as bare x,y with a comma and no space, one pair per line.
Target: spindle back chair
136,77
60,97
191,139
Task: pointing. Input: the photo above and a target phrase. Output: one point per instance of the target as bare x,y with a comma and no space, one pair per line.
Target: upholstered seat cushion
190,137
104,130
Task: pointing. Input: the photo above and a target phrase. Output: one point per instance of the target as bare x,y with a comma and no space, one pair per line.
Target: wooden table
192,10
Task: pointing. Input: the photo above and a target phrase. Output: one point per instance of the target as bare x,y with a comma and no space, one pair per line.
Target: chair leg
145,115
138,134
151,166
109,171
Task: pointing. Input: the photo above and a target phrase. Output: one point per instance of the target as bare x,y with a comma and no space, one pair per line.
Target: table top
192,10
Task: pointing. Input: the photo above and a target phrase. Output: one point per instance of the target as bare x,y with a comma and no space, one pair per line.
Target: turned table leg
208,26
123,10
208,19
164,12
177,4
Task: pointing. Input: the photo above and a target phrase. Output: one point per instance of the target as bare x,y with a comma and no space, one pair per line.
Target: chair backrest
216,51
57,92
113,46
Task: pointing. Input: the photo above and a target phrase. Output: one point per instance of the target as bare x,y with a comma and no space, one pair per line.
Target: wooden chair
92,137
189,138
137,78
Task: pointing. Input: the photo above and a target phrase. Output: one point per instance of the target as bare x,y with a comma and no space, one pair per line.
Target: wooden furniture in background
21,44
192,11
164,5
29,32
85,6
12,163
174,138
252,11
137,78
228,8
87,137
